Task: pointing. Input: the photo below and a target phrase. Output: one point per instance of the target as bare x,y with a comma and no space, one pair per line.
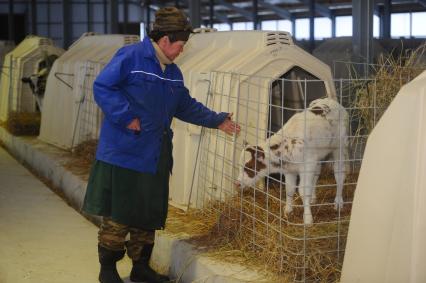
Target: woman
140,91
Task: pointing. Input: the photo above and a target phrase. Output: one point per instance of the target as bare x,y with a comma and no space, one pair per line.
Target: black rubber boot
108,259
142,272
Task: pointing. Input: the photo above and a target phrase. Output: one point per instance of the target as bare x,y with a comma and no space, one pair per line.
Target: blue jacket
133,85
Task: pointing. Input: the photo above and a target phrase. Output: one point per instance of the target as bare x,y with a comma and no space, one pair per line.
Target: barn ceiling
242,10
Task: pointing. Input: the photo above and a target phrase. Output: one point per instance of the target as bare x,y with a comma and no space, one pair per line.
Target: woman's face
171,49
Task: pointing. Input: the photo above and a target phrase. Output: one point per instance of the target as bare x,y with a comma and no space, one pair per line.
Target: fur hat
171,19
171,22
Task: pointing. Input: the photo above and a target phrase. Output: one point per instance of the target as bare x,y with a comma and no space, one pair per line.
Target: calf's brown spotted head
252,166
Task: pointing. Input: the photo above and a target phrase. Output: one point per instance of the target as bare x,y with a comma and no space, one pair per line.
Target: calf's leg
305,191
316,176
339,175
290,188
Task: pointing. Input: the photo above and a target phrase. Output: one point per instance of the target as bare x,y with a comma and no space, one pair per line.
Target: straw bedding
82,157
247,228
23,123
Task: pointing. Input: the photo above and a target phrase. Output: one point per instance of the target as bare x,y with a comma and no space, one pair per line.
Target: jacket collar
149,52
160,55
148,49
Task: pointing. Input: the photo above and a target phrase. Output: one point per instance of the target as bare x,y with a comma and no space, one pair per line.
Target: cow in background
37,81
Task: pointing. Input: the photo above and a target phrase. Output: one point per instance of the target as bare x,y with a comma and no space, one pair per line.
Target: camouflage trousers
112,235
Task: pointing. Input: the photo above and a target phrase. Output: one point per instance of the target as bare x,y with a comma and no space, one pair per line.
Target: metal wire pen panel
89,116
294,139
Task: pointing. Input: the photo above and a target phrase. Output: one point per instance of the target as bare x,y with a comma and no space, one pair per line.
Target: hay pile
390,74
288,249
24,123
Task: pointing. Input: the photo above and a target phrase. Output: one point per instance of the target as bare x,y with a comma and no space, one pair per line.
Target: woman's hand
229,127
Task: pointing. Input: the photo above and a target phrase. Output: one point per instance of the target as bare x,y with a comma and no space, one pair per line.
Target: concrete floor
42,239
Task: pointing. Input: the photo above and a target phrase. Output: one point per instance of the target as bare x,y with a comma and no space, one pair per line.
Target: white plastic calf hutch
70,115
23,61
263,78
386,240
5,47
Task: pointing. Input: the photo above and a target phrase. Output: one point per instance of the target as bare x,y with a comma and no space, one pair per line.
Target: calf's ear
257,152
251,150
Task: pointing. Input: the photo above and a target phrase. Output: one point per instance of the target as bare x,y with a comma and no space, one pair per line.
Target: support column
211,13
48,23
362,38
125,16
88,15
33,17
194,13
66,23
105,6
386,19
113,13
148,15
256,24
311,25
333,25
11,22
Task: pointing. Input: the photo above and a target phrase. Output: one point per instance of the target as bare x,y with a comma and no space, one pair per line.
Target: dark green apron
130,197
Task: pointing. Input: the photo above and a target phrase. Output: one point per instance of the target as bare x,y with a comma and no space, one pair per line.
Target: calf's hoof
308,219
338,203
288,209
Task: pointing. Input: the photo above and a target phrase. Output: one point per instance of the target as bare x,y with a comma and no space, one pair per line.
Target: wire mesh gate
89,116
257,215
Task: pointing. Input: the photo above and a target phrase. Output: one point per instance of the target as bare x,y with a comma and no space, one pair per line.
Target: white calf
316,134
